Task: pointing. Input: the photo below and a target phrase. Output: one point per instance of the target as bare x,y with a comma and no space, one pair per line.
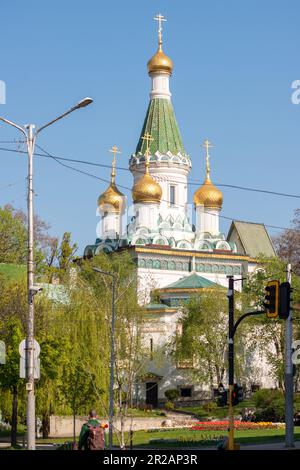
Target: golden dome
208,195
160,62
146,189
112,200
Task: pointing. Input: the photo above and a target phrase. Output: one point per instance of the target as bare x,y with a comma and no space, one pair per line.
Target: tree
13,237
268,334
203,332
13,309
59,257
129,320
288,244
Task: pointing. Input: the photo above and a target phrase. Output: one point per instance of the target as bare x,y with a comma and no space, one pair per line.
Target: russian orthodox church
175,257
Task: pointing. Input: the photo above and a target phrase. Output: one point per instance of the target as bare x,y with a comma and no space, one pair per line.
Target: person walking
92,434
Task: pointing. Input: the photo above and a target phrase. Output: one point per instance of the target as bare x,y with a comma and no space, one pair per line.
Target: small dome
160,62
208,195
146,189
112,200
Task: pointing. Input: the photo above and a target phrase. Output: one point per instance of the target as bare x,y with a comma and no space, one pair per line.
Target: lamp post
30,139
112,359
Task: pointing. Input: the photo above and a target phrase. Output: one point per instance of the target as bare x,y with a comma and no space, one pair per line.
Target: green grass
137,413
217,413
182,438
13,271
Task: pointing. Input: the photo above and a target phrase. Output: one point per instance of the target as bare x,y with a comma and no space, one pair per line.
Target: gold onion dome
208,195
160,62
146,189
112,200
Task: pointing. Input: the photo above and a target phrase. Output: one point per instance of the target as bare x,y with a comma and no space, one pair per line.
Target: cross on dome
147,137
114,150
159,18
207,145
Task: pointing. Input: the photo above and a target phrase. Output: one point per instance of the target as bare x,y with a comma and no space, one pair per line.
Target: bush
274,412
269,405
172,394
210,406
169,406
265,397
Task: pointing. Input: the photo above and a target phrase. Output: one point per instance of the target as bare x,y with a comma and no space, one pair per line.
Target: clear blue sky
234,65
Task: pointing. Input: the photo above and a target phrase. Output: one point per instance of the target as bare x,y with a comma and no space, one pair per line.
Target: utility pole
112,357
232,327
230,296
30,410
288,374
30,139
112,369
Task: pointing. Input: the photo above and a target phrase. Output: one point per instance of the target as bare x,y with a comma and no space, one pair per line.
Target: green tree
12,335
268,334
13,237
202,336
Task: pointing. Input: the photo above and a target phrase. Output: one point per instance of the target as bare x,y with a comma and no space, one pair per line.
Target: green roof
13,271
160,122
194,281
254,238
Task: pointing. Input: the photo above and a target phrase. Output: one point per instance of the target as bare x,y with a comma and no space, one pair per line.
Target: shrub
169,406
274,412
210,406
265,397
172,394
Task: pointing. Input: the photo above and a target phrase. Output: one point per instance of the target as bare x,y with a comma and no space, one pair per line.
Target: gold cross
114,150
159,18
207,144
147,137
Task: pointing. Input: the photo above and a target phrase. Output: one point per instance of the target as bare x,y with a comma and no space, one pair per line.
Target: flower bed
241,425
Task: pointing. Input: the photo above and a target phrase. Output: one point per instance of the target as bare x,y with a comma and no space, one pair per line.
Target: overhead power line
61,160
193,182
129,189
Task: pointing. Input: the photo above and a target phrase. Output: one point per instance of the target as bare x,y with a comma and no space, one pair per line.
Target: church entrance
152,394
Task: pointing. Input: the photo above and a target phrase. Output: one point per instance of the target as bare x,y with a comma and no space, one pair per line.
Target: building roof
160,122
254,238
159,307
194,281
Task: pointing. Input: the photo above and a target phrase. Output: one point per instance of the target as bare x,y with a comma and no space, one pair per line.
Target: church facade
175,257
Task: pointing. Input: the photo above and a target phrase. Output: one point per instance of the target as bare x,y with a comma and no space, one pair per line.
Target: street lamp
112,358
30,139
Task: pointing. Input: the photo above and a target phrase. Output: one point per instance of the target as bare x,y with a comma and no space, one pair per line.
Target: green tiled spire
161,123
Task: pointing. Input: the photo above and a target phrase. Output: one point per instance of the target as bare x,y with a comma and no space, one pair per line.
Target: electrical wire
164,200
192,182
61,160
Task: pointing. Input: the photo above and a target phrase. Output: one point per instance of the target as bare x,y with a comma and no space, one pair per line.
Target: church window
172,265
172,195
186,392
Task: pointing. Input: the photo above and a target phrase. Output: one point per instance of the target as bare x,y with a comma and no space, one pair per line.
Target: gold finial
159,18
207,145
147,137
114,150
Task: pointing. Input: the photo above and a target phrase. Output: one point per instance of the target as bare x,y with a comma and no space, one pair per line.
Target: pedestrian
92,434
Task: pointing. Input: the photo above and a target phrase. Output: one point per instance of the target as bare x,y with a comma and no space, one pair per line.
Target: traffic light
271,302
284,300
237,394
223,398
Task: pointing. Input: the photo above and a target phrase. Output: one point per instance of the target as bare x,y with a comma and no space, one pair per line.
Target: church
177,252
